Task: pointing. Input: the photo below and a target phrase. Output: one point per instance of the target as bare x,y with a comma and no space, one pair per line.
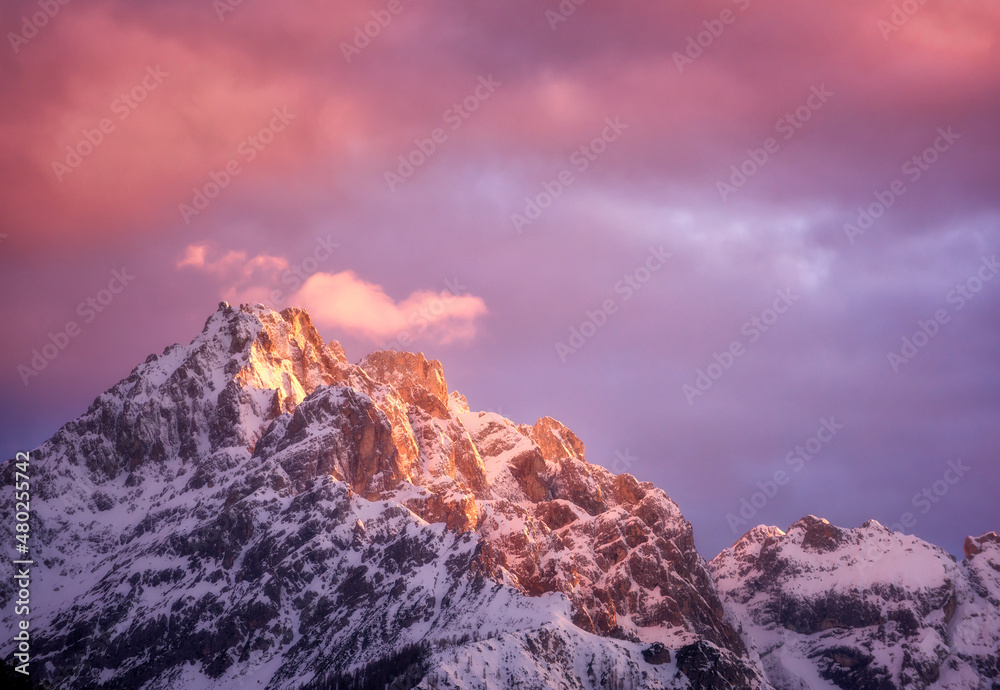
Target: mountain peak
290,488
862,607
758,535
976,545
418,380
556,441
252,505
817,533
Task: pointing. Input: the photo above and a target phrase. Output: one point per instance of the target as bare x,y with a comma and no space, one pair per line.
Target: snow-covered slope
251,510
864,608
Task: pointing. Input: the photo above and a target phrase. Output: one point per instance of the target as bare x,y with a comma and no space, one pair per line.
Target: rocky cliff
252,510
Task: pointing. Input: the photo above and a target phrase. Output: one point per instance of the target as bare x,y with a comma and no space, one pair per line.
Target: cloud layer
753,137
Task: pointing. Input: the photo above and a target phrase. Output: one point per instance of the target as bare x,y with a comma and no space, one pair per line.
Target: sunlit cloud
242,278
346,302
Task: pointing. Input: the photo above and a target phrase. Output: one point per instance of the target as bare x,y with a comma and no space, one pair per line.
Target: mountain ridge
252,506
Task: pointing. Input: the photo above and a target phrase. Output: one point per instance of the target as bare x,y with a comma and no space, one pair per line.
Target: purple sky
635,129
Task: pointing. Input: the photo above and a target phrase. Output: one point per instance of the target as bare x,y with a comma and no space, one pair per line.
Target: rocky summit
251,510
825,607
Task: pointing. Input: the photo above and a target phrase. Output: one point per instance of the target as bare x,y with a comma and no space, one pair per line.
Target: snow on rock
252,510
863,608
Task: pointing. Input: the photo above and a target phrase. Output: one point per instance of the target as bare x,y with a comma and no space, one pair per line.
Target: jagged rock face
337,432
976,632
619,549
253,506
415,380
976,545
864,608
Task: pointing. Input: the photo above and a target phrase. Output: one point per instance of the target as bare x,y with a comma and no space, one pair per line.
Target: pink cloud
194,256
241,279
343,301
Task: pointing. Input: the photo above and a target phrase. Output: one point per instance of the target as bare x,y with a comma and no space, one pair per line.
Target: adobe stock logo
959,296
796,460
596,319
365,33
900,15
296,276
123,106
454,117
30,26
60,340
913,168
925,500
698,43
623,462
929,495
249,149
787,126
753,328
581,159
420,319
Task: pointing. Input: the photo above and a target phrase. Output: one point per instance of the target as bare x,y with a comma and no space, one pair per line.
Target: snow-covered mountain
251,510
864,608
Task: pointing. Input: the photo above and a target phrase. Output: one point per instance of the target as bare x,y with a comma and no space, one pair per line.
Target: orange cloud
341,301
344,301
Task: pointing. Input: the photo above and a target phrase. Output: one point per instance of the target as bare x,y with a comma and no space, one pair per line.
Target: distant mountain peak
825,606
